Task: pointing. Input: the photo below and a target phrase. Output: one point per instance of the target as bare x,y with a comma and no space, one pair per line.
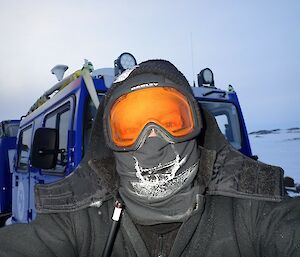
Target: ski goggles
132,116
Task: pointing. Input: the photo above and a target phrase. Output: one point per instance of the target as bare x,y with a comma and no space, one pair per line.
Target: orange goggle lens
164,106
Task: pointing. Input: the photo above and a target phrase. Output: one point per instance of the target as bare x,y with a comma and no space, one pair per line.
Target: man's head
151,119
153,96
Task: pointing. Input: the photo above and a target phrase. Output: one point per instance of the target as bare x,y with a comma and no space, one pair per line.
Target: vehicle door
60,118
20,183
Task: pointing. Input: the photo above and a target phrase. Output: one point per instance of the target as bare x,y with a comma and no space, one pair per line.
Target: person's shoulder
286,204
287,208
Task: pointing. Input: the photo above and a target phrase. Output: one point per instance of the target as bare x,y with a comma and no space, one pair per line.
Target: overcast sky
252,45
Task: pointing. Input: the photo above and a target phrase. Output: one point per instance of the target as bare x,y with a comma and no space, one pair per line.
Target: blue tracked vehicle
69,108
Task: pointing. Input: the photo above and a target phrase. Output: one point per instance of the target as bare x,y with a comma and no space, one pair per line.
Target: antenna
59,71
192,59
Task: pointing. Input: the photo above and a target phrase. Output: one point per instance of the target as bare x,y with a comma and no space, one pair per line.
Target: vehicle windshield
227,118
9,129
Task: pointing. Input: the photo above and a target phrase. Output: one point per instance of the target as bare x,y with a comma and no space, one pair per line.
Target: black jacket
242,211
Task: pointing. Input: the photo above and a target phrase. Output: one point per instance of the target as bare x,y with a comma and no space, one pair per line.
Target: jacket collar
222,171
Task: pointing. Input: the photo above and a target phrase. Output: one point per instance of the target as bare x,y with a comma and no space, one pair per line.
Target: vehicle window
11,130
89,117
24,148
228,121
63,128
51,121
59,119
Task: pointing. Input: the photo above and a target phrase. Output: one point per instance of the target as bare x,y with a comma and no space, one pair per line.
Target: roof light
206,77
125,61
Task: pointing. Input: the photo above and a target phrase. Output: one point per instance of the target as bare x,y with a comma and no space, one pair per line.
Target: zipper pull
113,231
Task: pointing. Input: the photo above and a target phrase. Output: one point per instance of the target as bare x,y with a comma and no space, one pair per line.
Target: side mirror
45,148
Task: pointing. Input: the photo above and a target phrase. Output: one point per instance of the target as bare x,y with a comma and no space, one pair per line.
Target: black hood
222,171
151,74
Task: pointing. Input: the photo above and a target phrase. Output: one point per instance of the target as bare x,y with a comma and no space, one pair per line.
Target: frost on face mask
161,180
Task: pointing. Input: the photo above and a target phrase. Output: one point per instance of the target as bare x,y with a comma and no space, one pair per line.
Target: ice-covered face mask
158,169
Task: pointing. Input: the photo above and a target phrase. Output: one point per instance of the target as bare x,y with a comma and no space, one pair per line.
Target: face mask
158,169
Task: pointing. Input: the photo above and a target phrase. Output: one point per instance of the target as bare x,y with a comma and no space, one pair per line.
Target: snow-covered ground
280,147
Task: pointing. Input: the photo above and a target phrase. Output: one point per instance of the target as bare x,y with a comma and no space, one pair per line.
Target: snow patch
280,147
